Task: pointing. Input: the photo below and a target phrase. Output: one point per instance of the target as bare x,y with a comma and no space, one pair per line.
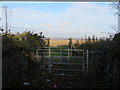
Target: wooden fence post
70,45
37,54
48,44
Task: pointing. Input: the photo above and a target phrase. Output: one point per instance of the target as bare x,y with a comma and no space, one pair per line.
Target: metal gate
61,60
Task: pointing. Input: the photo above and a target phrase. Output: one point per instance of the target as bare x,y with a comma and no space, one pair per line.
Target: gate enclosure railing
62,59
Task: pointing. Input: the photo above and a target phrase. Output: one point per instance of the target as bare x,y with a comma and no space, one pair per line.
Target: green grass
62,59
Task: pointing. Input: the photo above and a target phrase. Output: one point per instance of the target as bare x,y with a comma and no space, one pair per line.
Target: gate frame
85,62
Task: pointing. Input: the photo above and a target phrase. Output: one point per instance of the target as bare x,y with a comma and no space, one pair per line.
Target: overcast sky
63,19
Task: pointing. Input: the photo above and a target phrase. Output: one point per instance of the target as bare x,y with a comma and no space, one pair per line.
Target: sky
62,19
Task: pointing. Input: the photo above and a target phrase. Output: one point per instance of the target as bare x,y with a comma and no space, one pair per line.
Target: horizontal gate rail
67,56
68,63
66,70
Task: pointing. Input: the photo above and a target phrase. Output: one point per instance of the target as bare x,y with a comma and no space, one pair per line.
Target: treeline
105,62
17,62
17,56
107,58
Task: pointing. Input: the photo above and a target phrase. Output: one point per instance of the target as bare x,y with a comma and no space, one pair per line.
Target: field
55,42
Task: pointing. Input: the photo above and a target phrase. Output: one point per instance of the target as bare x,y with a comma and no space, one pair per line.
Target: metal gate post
49,61
83,61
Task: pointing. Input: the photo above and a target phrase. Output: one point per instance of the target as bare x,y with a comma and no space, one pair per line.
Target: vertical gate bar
68,57
60,51
68,52
71,51
87,61
49,52
83,61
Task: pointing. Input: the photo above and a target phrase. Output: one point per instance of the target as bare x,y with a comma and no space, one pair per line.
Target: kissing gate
62,60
